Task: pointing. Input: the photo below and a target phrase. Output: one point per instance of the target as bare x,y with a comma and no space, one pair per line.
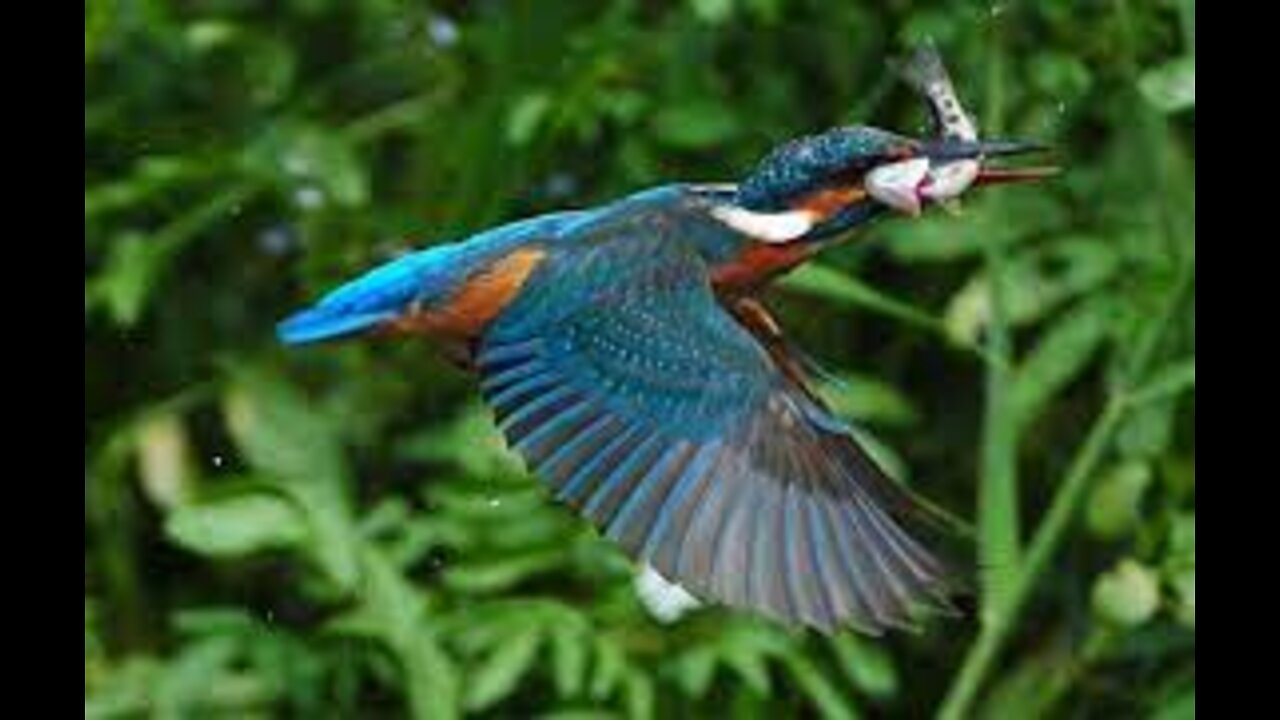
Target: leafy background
337,531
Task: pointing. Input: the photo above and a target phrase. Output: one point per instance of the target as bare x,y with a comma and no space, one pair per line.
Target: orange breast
758,262
477,302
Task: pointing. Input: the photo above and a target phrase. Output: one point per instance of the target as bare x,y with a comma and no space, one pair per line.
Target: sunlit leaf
498,675
526,117
134,263
867,665
609,668
166,466
283,437
569,654
712,11
826,697
1172,86
1127,595
868,399
499,573
237,525
639,694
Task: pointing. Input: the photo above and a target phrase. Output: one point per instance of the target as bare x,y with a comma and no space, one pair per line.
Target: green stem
394,116
998,477
999,618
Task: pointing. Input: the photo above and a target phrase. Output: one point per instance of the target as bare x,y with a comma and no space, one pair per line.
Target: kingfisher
629,360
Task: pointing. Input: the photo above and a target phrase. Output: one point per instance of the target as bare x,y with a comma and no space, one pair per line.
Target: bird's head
824,184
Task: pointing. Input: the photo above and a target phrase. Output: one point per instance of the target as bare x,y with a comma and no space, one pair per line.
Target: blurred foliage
337,531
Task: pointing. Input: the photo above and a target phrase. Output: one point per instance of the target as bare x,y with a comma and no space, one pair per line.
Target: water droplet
217,461
997,9
443,31
308,197
494,502
1061,108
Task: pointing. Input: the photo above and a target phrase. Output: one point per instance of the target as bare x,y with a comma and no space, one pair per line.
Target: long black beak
950,149
947,149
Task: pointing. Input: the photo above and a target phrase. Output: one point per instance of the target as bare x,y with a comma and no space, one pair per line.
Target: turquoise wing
647,408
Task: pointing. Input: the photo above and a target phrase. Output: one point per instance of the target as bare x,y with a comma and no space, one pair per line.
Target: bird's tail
366,303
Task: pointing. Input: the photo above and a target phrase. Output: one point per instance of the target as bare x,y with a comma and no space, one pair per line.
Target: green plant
338,531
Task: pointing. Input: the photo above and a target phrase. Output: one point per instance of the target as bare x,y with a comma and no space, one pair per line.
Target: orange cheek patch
825,203
477,302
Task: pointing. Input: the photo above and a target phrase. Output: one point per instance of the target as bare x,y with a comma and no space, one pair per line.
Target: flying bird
628,358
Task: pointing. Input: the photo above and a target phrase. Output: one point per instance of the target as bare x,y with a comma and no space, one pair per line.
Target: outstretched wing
649,410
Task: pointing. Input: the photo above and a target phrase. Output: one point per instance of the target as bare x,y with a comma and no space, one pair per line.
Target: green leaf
695,125
527,117
1127,595
746,648
695,670
284,438
190,679
1182,539
391,611
498,676
1030,688
639,695
1172,86
569,649
1037,282
499,573
883,454
834,285
1147,431
867,665
609,667
1181,706
831,704
1061,355
1184,588
166,469
868,399
470,442
750,664
1115,505
237,525
279,433
1171,380
712,11
133,266
206,35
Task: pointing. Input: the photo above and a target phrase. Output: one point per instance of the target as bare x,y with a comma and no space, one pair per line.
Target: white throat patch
777,227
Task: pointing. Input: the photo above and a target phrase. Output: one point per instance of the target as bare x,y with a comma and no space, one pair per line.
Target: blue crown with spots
806,164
